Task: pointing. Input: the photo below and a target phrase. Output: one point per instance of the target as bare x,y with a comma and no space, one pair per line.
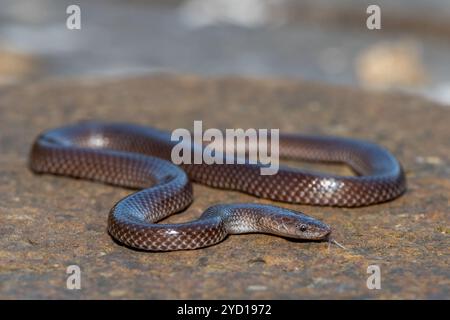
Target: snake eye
303,228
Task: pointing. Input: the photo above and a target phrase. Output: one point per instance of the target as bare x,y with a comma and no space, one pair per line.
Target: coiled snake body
137,157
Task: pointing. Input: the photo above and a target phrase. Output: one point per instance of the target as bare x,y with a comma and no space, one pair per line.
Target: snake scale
138,157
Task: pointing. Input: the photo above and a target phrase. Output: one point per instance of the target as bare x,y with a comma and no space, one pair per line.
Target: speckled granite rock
48,223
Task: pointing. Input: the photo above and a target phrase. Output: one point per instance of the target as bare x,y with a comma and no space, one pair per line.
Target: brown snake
136,157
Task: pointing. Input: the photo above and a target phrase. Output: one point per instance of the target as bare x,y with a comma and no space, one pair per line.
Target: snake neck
246,218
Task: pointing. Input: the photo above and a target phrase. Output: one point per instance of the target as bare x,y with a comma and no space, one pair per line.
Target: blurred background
320,40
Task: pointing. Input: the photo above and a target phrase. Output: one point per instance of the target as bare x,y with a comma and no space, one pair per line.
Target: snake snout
323,231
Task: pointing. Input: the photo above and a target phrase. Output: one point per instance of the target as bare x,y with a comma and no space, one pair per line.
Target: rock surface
48,223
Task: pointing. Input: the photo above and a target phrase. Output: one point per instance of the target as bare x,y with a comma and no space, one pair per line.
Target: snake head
301,226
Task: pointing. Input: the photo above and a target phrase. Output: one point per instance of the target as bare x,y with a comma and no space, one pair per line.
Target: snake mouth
326,235
313,233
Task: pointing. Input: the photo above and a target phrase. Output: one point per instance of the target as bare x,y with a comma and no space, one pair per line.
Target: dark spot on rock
257,261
